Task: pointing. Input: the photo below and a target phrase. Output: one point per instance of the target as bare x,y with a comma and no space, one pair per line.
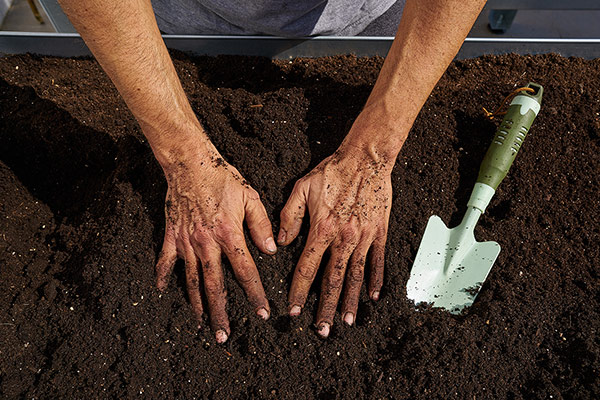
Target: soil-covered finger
305,271
248,277
331,287
192,280
216,297
291,217
165,263
260,226
353,282
376,264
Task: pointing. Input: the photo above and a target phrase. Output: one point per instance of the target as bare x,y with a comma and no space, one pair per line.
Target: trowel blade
450,266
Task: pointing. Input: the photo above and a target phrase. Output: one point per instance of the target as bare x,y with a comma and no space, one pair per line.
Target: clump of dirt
81,223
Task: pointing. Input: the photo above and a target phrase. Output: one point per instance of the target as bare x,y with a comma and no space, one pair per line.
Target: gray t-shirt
290,18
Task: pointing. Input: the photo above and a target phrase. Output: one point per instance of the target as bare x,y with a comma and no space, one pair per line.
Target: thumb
260,226
292,215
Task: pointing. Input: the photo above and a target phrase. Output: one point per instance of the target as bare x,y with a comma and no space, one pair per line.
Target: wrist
377,134
181,148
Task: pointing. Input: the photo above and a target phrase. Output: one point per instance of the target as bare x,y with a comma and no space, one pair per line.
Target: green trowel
451,265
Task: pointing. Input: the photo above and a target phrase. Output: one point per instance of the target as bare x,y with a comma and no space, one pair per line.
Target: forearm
429,36
124,38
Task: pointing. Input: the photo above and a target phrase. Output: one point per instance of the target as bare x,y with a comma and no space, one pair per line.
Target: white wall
4,6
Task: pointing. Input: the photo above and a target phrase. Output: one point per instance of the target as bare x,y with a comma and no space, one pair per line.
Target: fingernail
375,295
270,245
281,236
349,318
263,313
221,336
323,330
295,311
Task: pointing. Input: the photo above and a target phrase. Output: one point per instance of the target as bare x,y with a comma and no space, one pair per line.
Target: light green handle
510,136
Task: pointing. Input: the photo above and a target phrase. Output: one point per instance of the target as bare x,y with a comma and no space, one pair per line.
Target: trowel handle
510,136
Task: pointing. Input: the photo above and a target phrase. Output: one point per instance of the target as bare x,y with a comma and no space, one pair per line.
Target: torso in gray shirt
291,18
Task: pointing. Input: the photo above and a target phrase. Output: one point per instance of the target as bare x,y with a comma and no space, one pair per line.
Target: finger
331,287
209,253
376,262
291,216
319,238
260,226
192,280
353,282
246,274
216,295
166,260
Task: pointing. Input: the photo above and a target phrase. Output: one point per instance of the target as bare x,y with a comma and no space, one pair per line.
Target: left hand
348,196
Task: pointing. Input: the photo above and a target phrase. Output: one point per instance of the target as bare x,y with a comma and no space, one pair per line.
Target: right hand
206,205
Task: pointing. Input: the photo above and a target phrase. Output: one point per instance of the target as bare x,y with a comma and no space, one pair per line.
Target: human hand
348,196
206,204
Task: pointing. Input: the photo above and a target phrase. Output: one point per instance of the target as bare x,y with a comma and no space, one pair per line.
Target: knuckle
325,228
381,231
263,222
306,272
333,281
355,278
350,234
369,233
252,194
226,232
214,287
183,235
245,276
201,235
298,186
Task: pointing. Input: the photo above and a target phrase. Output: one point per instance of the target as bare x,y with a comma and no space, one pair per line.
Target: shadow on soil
474,136
64,164
73,169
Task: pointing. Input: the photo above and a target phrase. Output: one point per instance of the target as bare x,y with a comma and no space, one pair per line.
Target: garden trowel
451,265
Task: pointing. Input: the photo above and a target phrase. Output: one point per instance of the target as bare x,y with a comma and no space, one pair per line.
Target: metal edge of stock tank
71,45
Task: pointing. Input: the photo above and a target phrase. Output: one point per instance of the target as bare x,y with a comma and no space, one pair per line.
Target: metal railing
71,45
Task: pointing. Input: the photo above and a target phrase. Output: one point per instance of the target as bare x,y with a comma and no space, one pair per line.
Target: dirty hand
348,196
206,205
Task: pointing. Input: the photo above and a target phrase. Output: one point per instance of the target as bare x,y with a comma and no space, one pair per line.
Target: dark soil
81,223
